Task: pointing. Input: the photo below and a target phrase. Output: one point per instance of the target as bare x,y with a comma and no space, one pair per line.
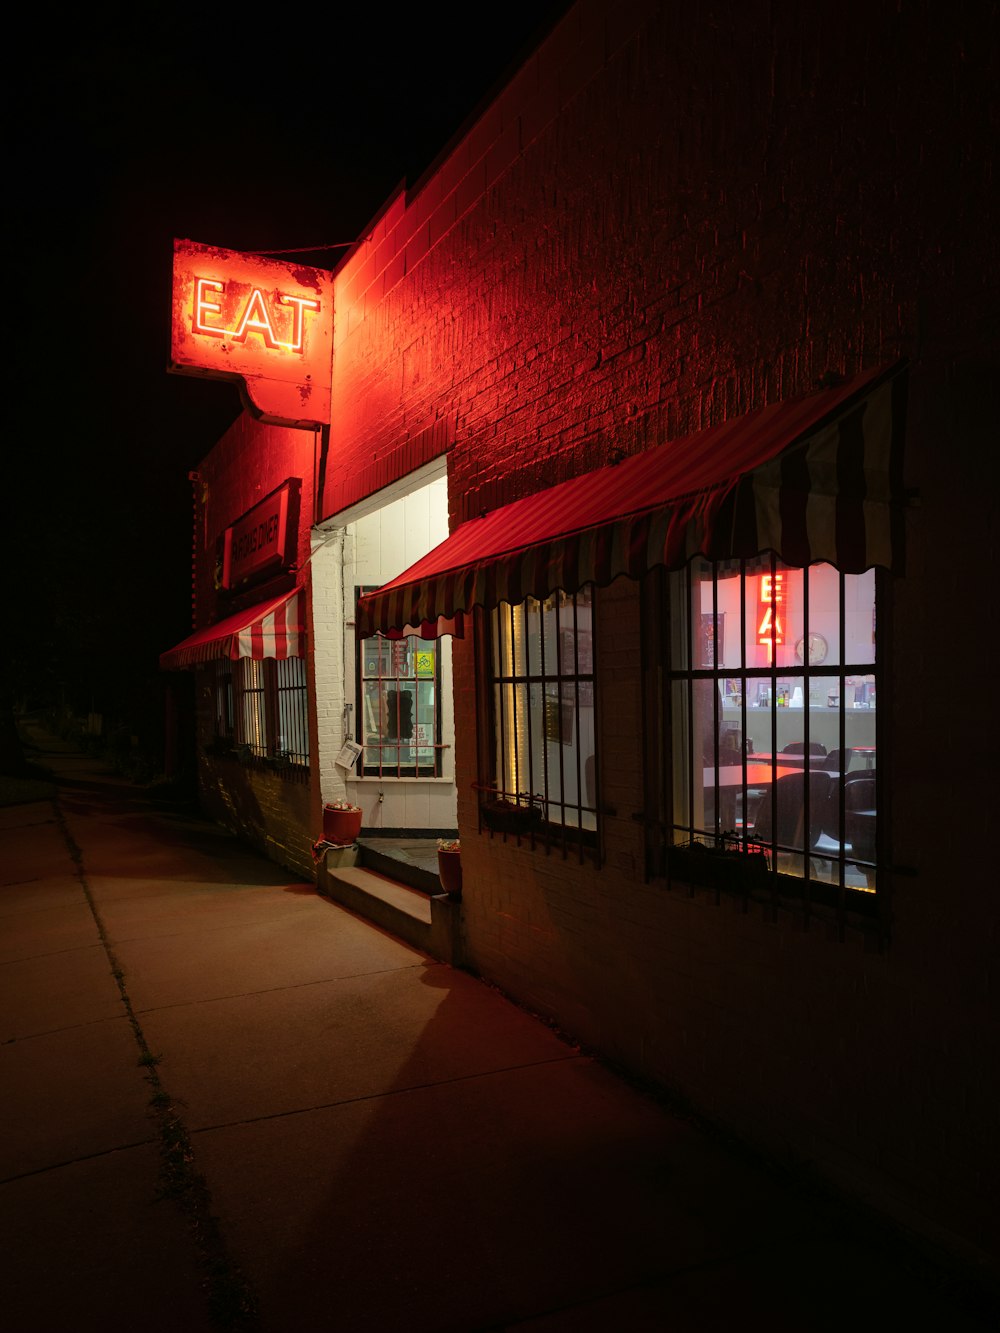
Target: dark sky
127,133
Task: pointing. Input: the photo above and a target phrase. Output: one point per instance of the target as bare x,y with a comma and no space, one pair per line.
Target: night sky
127,133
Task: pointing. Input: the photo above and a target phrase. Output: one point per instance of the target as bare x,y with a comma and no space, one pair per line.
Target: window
399,686
223,700
251,711
541,684
262,707
771,717
292,735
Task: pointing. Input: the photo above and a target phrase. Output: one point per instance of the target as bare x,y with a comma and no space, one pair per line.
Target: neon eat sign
255,317
266,325
770,631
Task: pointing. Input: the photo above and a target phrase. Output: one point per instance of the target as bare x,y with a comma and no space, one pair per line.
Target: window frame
223,700
527,814
666,834
415,770
250,701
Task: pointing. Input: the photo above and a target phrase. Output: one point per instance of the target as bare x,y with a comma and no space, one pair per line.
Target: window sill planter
506,817
341,823
450,867
722,865
220,748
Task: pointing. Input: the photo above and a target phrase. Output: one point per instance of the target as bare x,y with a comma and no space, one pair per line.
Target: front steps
430,922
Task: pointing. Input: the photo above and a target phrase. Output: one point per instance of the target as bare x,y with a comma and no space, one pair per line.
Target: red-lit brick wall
248,463
269,809
673,215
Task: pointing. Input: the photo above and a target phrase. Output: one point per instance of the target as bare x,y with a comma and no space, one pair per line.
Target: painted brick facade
668,218
274,812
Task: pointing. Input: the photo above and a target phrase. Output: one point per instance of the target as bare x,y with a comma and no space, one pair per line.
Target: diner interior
776,669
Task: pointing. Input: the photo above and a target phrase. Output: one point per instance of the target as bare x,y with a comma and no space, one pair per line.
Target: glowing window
772,718
542,696
262,708
399,688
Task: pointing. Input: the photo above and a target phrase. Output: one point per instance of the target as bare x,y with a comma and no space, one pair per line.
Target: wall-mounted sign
262,542
265,324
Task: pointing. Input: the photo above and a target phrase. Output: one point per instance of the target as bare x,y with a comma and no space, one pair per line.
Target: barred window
399,686
293,712
251,713
772,717
222,722
541,656
262,707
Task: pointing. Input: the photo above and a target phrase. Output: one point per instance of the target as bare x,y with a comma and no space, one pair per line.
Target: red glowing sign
262,542
267,325
770,631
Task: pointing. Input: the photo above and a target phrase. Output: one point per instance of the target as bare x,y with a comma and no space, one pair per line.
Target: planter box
504,817
718,867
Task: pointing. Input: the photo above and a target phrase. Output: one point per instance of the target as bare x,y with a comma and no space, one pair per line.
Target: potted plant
450,866
341,823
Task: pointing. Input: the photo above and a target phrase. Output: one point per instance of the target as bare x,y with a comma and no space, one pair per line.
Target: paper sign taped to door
349,753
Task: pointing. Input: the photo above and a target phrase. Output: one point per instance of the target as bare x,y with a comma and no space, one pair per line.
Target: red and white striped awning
275,628
814,478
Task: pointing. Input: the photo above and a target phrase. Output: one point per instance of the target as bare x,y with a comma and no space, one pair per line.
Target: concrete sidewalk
229,1103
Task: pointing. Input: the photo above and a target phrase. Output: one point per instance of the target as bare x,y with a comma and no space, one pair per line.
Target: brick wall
249,462
267,809
672,216
278,814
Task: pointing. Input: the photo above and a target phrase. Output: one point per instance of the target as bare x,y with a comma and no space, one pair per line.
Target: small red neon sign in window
770,631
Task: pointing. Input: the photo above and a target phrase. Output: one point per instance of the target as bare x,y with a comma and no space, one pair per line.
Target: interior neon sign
770,631
251,314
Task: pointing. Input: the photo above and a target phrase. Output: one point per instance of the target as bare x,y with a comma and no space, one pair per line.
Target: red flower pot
341,827
450,873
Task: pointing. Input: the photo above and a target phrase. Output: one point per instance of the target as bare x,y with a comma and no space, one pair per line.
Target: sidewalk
229,1103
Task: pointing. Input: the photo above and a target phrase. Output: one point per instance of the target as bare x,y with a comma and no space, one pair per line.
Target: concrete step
411,861
430,924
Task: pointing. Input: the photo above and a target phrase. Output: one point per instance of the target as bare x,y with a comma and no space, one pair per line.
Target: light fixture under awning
275,628
814,478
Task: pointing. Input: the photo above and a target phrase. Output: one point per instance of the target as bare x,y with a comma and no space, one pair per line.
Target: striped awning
814,478
275,628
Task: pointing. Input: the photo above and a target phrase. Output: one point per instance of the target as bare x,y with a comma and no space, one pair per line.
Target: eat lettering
772,596
253,317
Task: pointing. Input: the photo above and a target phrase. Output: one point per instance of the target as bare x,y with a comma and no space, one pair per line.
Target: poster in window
576,651
558,720
711,636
